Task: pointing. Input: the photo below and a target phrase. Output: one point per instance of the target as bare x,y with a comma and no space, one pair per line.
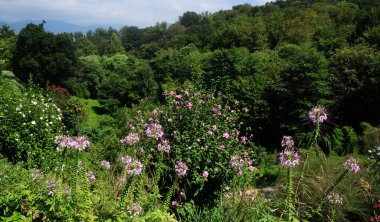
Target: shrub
29,123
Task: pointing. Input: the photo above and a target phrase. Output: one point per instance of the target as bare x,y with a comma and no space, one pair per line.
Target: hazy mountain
57,26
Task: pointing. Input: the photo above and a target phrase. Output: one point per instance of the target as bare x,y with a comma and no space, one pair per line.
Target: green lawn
93,119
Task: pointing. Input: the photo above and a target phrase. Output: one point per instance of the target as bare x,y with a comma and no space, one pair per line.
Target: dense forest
268,65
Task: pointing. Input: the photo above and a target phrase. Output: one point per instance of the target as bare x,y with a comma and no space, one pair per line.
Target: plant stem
289,199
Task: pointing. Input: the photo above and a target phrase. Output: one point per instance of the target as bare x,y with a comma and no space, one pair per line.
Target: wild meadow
258,113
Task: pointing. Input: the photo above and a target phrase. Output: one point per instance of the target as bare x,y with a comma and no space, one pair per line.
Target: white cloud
129,12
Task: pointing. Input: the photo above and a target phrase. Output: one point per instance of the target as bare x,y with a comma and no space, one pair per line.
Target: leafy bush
29,123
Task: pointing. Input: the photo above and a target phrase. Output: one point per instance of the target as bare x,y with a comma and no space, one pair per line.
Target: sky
140,13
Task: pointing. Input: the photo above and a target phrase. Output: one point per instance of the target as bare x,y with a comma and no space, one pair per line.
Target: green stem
311,144
74,181
332,218
128,194
289,199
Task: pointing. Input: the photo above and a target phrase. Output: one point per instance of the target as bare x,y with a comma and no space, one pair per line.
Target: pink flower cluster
164,146
154,130
181,168
289,157
352,164
238,163
133,167
79,143
318,114
335,198
36,174
52,186
105,164
131,139
91,176
287,142
134,209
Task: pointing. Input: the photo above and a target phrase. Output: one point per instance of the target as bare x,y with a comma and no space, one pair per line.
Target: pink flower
245,109
189,105
287,142
91,176
243,138
226,135
133,168
213,127
205,174
209,132
180,168
335,198
352,164
164,146
318,114
131,138
174,203
289,158
105,164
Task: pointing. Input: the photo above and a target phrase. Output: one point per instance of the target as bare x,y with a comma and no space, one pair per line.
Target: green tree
48,58
131,37
303,83
7,46
189,19
115,45
356,84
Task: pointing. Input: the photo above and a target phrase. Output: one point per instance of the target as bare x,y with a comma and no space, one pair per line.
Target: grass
93,119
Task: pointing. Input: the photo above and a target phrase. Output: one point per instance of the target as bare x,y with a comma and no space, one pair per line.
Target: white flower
33,122
34,102
18,109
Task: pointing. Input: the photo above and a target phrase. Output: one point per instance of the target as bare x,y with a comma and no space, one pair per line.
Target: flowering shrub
29,124
204,134
194,140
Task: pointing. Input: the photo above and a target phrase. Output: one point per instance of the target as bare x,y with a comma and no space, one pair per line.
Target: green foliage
235,205
345,141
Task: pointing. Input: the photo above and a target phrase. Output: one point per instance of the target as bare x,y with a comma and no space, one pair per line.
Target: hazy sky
104,12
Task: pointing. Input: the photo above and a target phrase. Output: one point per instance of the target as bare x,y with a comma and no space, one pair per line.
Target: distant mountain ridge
57,26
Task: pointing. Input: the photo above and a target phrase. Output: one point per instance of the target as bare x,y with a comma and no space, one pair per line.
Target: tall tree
48,58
